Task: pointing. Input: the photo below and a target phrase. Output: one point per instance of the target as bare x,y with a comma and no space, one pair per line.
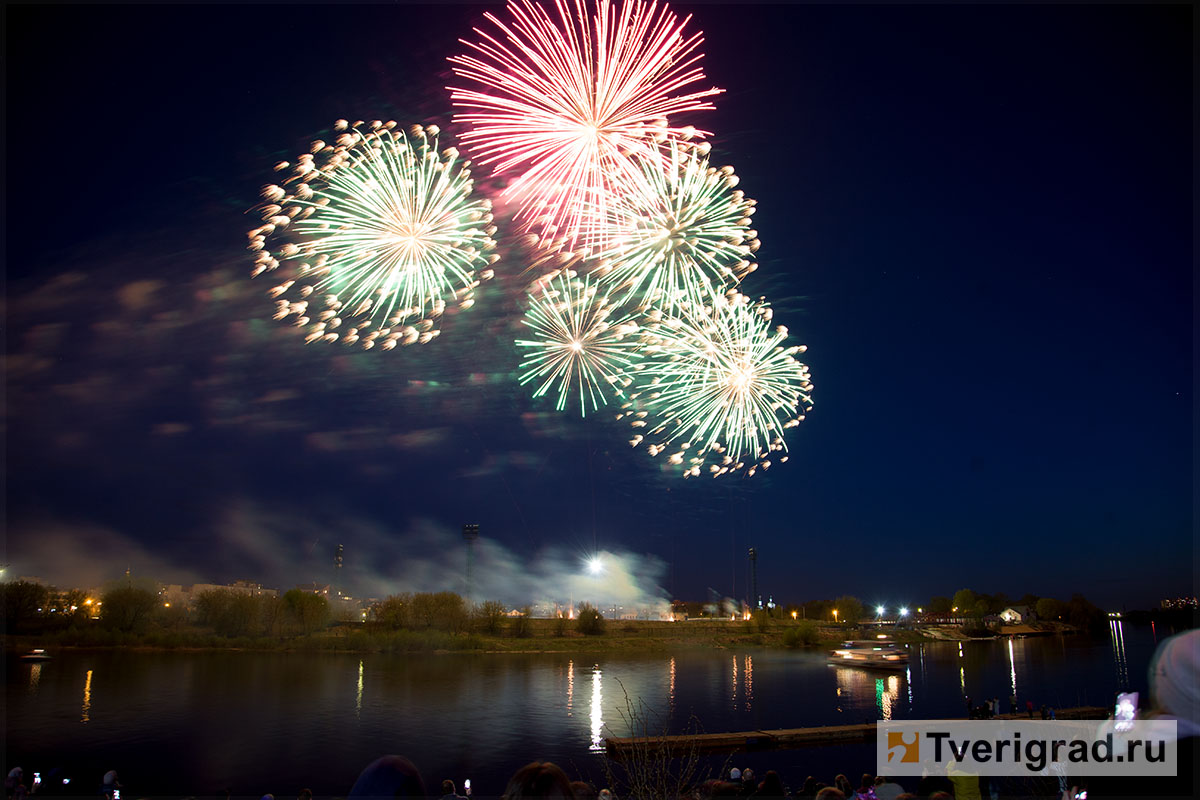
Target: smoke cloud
284,549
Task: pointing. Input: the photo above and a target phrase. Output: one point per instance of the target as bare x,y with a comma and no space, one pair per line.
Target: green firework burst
580,345
680,234
716,388
374,236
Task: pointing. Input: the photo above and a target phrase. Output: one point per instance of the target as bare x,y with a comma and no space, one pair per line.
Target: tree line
965,604
136,607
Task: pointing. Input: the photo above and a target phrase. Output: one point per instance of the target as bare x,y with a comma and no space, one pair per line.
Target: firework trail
567,100
374,235
682,232
715,386
581,345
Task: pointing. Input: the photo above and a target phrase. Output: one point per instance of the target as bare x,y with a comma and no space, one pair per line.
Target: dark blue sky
978,218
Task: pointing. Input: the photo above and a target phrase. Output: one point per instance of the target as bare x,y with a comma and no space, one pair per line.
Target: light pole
835,619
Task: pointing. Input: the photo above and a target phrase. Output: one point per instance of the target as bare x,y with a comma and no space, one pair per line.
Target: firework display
715,388
373,236
635,244
682,232
580,345
566,101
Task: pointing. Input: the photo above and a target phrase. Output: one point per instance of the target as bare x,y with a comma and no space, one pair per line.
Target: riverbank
536,636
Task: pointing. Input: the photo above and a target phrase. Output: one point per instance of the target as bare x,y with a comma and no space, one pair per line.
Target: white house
1015,615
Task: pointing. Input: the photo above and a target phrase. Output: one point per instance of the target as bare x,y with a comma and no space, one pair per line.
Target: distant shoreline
542,638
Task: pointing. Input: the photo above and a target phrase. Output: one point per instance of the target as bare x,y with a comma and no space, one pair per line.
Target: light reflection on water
597,715
570,685
671,687
749,685
87,698
863,689
484,716
1012,668
1116,632
358,696
884,698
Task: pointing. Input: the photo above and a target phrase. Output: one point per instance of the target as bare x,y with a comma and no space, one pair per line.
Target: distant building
192,594
1016,615
175,594
1176,602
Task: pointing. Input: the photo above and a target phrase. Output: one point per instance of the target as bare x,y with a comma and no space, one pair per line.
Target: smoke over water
284,549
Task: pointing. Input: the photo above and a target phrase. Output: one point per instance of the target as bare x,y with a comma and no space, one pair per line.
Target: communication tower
754,601
337,571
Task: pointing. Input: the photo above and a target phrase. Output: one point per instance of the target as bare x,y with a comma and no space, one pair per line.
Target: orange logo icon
905,745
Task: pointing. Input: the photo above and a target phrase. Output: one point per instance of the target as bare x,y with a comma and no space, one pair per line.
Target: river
175,724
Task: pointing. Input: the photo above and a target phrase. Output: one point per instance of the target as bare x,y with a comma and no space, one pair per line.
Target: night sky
979,220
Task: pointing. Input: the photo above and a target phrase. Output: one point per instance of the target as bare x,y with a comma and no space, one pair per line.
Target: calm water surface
175,724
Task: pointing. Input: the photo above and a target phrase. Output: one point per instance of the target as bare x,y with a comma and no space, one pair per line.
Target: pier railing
787,738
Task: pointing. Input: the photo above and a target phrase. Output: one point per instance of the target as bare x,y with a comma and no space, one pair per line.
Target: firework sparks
717,388
683,232
580,345
567,101
374,235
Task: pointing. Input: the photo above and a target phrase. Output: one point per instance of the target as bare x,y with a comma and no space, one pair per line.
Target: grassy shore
539,636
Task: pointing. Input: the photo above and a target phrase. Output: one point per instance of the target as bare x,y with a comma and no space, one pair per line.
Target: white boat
36,655
870,654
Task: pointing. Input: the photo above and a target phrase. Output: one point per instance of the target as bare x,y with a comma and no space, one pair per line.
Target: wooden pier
785,738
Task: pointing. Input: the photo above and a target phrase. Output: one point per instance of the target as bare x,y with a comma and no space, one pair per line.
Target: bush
489,615
305,611
520,627
850,609
560,626
443,611
589,622
128,609
395,612
23,603
803,633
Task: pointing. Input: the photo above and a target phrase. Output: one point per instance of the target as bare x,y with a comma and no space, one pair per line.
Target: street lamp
793,615
835,619
879,611
904,612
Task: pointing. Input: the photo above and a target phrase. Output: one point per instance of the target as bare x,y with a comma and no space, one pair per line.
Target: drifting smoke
282,549
86,556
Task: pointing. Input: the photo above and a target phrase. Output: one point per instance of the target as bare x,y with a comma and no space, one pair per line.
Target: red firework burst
570,102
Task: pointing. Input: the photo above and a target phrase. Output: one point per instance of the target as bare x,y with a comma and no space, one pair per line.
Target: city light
835,619
879,610
793,615
904,612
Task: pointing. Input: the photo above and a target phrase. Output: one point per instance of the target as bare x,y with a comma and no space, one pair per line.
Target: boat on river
880,653
36,655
